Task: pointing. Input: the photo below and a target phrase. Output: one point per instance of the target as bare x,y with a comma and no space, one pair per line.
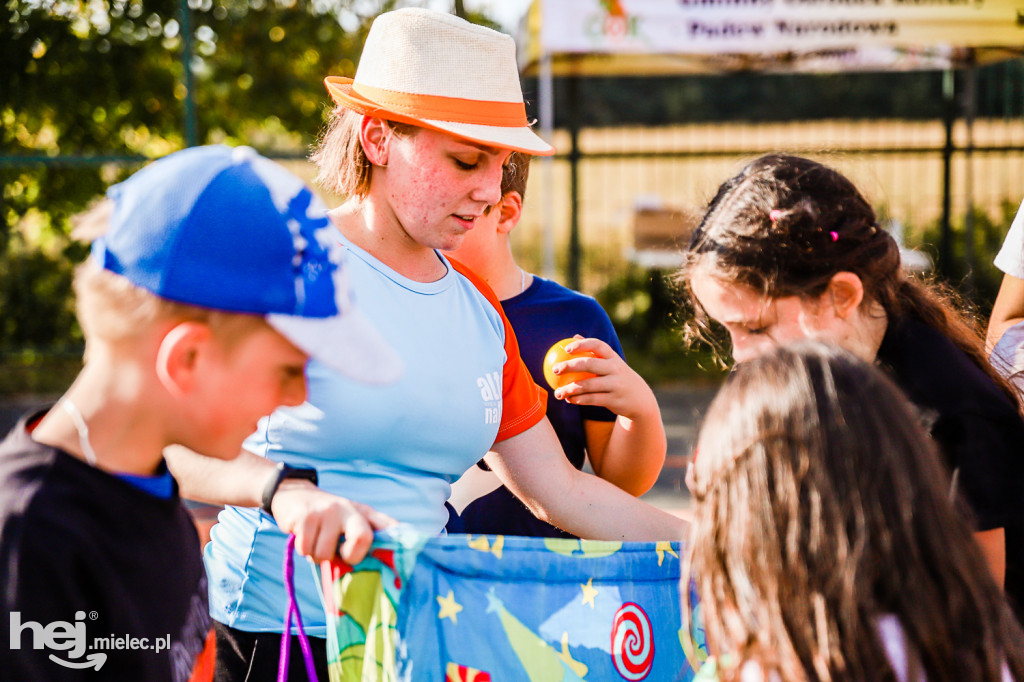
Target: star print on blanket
462,608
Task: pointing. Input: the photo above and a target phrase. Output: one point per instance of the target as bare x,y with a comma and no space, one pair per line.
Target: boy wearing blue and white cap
213,283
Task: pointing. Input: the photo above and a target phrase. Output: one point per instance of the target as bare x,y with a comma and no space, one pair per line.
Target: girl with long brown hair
824,545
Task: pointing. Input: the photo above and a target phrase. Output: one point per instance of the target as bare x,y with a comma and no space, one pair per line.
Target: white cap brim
348,343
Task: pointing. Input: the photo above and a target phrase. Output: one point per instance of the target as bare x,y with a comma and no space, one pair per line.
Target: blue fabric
396,447
176,231
545,313
159,485
510,608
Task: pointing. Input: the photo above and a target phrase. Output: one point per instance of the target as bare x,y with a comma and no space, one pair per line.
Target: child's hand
616,387
319,520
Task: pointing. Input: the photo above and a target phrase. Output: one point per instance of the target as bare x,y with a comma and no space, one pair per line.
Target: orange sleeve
523,402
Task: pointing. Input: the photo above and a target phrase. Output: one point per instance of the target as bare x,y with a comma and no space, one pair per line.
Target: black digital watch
284,471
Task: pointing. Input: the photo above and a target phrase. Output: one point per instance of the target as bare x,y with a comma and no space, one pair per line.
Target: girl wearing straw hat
417,142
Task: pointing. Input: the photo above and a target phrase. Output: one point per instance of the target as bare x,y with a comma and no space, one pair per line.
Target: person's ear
374,135
846,293
178,356
511,208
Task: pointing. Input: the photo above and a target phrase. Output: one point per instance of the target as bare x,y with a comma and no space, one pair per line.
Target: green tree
100,86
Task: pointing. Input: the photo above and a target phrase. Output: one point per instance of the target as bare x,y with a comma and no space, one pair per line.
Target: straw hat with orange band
441,72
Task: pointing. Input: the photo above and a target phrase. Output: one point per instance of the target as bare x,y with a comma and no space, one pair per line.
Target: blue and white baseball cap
225,228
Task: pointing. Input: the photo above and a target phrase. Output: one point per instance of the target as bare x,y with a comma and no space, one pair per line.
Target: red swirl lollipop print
632,645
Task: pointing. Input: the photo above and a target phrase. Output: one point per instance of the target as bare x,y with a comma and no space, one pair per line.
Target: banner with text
774,26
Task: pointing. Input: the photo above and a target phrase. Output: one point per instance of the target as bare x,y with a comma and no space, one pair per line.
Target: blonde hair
342,165
112,309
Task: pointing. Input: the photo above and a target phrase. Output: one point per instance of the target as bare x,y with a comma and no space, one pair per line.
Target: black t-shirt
977,427
94,570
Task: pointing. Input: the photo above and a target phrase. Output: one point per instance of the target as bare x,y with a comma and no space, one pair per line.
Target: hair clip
775,214
834,235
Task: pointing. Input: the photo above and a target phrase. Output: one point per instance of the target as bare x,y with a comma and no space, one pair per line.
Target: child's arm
630,451
317,518
533,466
1007,311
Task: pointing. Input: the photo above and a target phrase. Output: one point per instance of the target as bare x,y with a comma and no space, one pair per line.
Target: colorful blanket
476,608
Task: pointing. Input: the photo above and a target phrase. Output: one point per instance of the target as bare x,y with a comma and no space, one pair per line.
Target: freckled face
438,186
757,324
480,245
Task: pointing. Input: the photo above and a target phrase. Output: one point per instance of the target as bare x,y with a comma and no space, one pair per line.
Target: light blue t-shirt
396,448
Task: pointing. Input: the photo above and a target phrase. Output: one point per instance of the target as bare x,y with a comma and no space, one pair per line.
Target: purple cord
293,608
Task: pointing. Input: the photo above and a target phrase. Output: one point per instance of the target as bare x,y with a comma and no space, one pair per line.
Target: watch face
306,473
285,471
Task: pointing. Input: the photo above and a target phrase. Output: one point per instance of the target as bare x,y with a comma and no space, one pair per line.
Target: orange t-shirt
524,403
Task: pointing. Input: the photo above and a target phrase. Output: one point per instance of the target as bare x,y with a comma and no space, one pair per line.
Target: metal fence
582,204
899,165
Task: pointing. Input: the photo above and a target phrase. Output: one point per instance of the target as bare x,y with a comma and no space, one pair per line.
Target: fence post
948,118
970,108
546,91
574,183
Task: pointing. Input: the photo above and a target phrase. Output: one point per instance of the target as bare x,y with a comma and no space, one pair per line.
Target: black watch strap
284,471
